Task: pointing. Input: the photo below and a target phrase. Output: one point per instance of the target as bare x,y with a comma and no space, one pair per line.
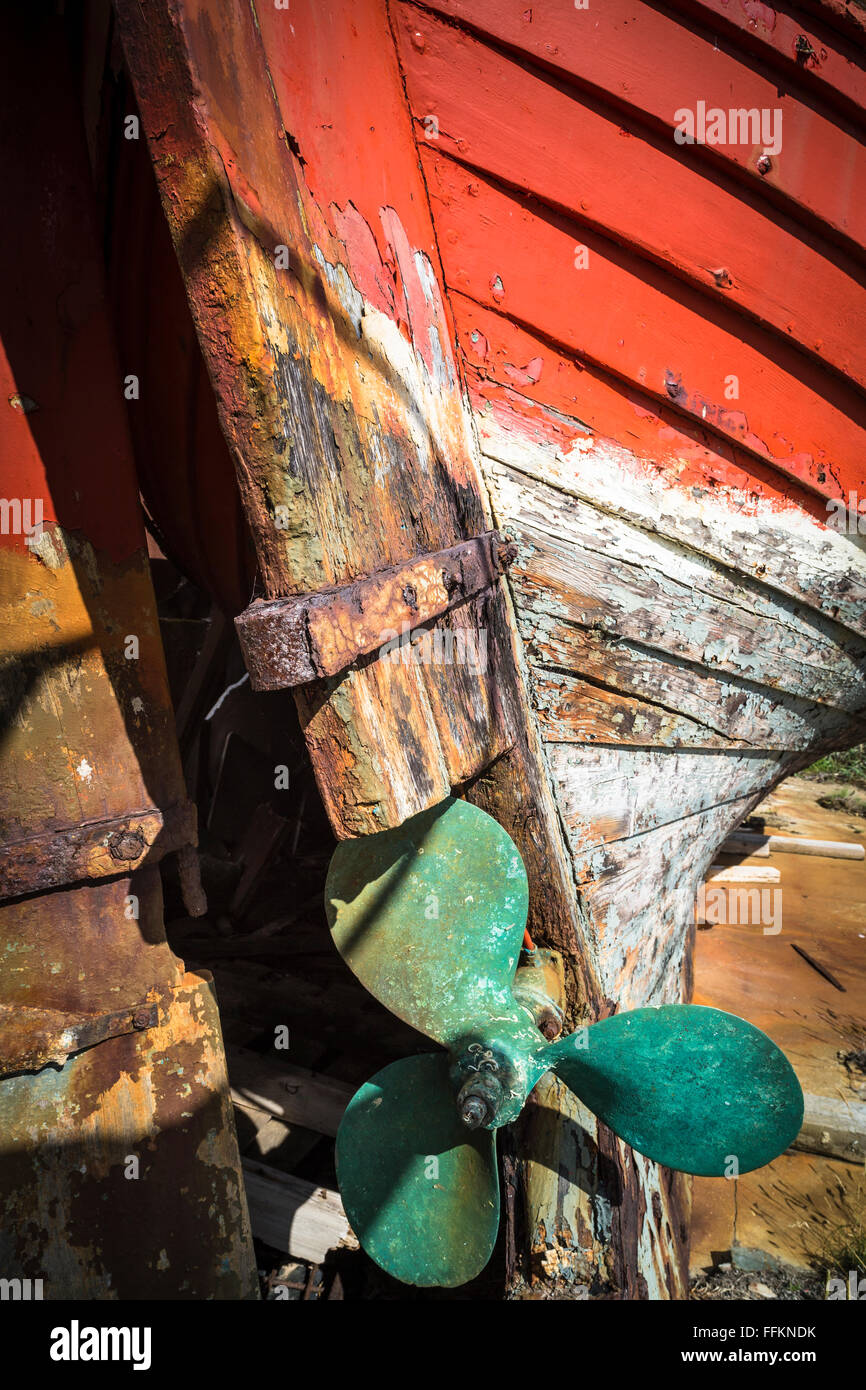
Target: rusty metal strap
289,641
96,849
31,1038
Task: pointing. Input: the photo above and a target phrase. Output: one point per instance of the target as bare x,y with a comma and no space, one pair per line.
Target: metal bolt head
765,164
125,845
473,1111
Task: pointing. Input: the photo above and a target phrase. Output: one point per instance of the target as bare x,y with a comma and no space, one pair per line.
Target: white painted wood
293,1215
581,567
291,1093
742,873
781,547
834,1126
610,793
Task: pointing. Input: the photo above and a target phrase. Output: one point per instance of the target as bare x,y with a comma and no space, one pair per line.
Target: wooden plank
620,51
293,1215
746,843
704,709
576,711
612,793
832,67
514,123
744,517
335,397
288,1092
640,893
742,873
577,568
833,1126
678,348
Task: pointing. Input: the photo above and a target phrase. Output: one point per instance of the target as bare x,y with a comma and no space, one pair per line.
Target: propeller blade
688,1086
420,1189
430,917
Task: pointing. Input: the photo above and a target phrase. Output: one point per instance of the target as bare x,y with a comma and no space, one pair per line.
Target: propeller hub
473,1111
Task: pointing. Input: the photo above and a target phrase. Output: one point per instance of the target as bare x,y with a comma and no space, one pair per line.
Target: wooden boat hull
450,268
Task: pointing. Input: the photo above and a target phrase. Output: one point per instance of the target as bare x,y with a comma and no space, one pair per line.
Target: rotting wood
291,641
332,537
780,549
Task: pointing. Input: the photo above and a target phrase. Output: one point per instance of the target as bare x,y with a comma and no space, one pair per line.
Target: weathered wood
291,1214
742,873
750,528
291,641
288,1092
685,700
349,439
744,842
833,1126
608,794
578,568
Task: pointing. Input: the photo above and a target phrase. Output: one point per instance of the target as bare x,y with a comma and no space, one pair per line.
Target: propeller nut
473,1111
479,1098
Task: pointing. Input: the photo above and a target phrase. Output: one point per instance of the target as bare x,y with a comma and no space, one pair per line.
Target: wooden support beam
294,1215
742,873
834,1127
291,1093
747,842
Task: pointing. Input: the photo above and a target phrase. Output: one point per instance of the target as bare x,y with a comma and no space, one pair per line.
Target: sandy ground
786,1215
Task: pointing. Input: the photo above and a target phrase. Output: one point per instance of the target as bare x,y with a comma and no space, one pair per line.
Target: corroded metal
31,1038
125,842
428,1209
289,641
119,1175
430,918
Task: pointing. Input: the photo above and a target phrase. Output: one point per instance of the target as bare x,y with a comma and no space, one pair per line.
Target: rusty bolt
503,554
410,597
142,1018
450,582
765,164
125,845
473,1111
549,1023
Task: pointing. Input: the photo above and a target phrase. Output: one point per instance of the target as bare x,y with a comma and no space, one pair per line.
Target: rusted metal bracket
290,641
31,1038
95,850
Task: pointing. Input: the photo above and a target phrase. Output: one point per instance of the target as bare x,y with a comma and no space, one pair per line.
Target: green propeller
430,917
